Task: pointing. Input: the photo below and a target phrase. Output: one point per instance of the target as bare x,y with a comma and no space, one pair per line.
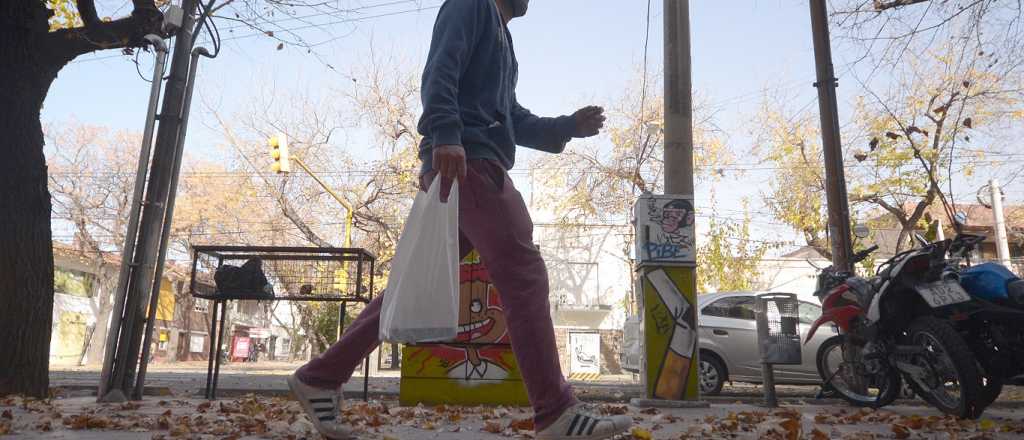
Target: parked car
728,343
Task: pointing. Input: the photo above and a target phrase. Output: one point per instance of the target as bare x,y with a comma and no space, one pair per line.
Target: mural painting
667,252
665,225
478,367
670,333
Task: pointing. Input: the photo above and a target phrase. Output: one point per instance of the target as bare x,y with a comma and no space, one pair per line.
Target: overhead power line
298,28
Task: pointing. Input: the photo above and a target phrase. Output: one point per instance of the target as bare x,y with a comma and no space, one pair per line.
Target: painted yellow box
478,367
461,374
670,332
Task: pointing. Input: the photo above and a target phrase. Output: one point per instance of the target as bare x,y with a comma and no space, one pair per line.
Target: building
795,272
590,273
84,287
980,221
182,321
80,304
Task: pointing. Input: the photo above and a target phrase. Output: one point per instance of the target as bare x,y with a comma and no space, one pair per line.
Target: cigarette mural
670,330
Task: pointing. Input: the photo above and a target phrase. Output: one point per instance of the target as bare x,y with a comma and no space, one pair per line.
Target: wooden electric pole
835,179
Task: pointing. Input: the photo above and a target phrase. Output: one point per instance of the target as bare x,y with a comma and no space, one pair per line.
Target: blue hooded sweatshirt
468,90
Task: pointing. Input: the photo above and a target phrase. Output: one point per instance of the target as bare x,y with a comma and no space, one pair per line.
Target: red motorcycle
841,359
894,328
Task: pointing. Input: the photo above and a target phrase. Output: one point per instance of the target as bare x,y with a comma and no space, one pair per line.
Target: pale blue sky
571,52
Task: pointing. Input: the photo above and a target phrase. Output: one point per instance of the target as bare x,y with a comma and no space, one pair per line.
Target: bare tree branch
881,5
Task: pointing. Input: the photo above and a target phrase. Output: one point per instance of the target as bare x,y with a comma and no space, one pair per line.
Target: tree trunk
107,278
26,250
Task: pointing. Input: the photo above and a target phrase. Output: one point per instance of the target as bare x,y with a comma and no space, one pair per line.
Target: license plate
943,293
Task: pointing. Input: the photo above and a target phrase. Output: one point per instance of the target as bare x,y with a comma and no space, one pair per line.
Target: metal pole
1002,245
140,380
770,399
126,355
127,248
835,180
678,99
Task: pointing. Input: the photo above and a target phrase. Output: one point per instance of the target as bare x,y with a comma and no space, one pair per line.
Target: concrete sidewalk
234,383
259,417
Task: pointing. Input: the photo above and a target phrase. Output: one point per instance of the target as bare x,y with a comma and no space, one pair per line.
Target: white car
728,343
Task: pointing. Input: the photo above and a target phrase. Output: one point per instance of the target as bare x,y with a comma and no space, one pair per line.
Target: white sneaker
321,406
579,422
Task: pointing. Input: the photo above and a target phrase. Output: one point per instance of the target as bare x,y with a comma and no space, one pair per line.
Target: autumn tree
37,39
376,174
92,177
599,180
91,182
790,141
729,257
915,136
882,34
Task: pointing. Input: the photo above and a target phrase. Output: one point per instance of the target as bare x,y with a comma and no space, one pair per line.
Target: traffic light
279,151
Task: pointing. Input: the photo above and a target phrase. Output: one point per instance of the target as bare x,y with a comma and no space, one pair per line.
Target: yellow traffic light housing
279,152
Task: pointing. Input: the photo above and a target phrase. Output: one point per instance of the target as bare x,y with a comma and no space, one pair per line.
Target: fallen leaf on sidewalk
5,427
817,434
521,424
492,427
900,431
641,434
793,428
86,421
612,410
129,406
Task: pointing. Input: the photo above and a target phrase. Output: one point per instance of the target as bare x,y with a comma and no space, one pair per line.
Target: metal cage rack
305,274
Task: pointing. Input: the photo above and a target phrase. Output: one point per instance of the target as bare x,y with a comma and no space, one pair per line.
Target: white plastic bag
421,303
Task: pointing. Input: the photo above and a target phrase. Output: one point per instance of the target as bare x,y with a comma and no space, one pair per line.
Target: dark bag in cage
246,282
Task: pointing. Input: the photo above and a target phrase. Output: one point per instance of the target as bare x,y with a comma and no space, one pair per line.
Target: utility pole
667,265
138,271
1002,245
835,179
678,99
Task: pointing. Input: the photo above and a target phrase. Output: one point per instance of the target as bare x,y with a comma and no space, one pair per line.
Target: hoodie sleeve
544,134
459,25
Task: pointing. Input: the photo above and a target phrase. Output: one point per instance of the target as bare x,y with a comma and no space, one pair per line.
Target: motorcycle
992,322
894,327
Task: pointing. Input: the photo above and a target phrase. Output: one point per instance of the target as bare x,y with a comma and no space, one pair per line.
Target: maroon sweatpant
494,220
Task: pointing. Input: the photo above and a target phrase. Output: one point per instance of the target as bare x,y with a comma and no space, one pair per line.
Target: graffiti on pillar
671,333
666,228
478,367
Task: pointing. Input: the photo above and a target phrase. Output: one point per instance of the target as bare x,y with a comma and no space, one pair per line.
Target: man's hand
589,121
450,161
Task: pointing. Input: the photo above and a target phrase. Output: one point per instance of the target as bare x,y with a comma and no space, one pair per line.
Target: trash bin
778,328
778,336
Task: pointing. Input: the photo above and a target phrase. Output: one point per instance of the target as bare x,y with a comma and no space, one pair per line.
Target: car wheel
712,375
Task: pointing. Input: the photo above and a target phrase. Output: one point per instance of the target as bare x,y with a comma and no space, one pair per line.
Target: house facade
590,278
84,287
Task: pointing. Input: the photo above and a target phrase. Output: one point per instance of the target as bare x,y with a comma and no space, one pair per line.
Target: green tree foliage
729,259
796,191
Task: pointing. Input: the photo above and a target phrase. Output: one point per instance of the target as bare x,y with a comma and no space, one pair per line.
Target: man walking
471,124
